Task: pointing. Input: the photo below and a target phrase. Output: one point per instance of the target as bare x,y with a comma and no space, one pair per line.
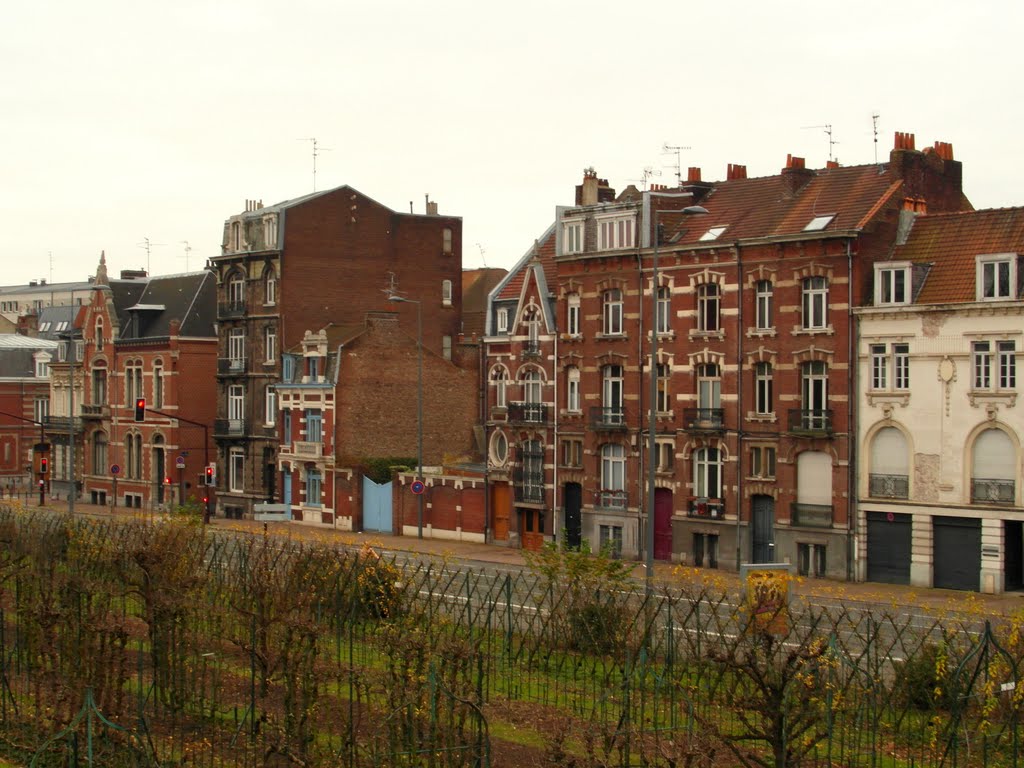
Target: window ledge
719,334
767,418
571,337
665,415
889,397
664,335
826,331
983,397
761,333
609,336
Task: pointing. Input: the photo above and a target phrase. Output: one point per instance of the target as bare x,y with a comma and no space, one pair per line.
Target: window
818,223
446,241
814,381
815,302
133,456
617,232
99,386
313,488
890,364
158,385
313,368
572,389
270,287
236,235
236,470
890,465
664,374
446,347
502,317
98,340
611,394
236,405
286,426
664,457
712,234
41,408
613,467
236,291
1005,374
499,448
811,560
708,301
613,312
270,344
892,284
532,387
532,479
762,461
572,452
993,468
709,388
610,539
99,453
446,293
314,425
270,234
573,314
133,381
764,402
663,311
270,410
996,277
764,297
287,368
705,547
43,367
707,473
500,378
236,348
572,237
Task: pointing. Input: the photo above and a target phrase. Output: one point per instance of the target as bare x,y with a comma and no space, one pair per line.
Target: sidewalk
887,595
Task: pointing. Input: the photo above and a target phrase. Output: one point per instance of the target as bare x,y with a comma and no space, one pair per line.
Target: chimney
796,175
431,208
586,193
943,149
699,189
903,141
692,175
832,164
735,172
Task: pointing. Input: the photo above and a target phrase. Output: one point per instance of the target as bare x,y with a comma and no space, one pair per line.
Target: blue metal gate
376,506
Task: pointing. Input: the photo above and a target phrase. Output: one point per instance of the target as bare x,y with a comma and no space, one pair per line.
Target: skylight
819,222
712,234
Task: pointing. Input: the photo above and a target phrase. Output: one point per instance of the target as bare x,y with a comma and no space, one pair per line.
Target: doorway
763,523
572,496
662,524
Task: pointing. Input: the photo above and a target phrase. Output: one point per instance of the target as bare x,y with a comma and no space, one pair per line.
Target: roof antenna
648,172
482,252
667,149
828,131
188,249
874,130
392,287
316,151
148,246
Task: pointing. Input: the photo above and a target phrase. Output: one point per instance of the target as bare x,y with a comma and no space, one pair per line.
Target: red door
662,524
531,529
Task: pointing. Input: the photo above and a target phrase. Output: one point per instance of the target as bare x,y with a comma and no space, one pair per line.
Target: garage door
957,552
889,547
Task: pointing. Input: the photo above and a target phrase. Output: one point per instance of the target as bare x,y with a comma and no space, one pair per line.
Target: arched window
573,402
99,453
270,287
993,468
236,291
707,473
499,378
158,384
890,465
98,337
532,386
613,476
708,303
663,321
499,448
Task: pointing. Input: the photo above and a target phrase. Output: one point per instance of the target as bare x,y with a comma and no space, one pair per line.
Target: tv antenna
828,132
482,252
392,287
648,172
316,151
148,246
668,149
874,130
188,250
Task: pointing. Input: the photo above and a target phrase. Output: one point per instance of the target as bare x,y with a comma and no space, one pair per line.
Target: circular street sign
417,486
179,463
115,469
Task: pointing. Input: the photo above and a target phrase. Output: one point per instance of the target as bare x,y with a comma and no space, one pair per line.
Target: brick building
323,259
151,339
24,404
940,493
754,431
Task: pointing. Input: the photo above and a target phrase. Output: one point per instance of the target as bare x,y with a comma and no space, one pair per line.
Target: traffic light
44,465
140,409
211,474
167,480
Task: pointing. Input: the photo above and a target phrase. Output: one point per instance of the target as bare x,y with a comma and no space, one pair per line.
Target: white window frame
610,537
533,387
612,312
572,452
446,293
707,473
573,401
270,288
572,320
501,321
892,283
764,298
762,461
42,360
987,277
158,384
499,375
572,236
994,365
236,470
616,232
270,343
612,388
236,290
664,455
270,407
764,385
663,372
814,385
890,367
814,302
41,408
236,403
236,345
499,448
613,467
713,233
663,316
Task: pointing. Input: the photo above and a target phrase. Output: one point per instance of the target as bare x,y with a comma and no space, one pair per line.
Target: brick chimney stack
735,172
796,174
593,190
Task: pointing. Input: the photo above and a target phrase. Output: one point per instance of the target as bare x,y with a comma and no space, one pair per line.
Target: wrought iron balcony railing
608,418
705,419
529,486
888,486
611,499
528,413
229,309
95,411
713,509
992,491
811,515
231,365
811,421
231,427
531,348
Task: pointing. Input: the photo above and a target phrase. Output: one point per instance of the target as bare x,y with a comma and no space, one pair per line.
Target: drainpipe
852,425
554,445
739,405
641,496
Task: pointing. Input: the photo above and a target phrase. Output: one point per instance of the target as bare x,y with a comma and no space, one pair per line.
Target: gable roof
188,298
511,286
951,242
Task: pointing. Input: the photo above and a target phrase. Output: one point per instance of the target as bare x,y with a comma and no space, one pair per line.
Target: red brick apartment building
326,260
754,427
24,404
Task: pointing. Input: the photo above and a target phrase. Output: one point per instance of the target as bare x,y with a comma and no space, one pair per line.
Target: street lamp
419,405
690,210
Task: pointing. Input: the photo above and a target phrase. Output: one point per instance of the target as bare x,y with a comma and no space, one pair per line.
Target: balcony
888,486
231,366
231,427
63,424
704,419
706,509
813,422
811,515
230,309
529,486
528,413
95,411
611,500
308,450
992,491
611,418
530,348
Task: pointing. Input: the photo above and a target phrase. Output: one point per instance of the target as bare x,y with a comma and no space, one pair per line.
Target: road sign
115,469
417,486
179,463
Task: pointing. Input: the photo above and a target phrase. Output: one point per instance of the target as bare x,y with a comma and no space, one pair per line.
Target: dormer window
818,223
270,232
502,320
42,366
572,237
616,232
712,234
892,284
314,368
996,277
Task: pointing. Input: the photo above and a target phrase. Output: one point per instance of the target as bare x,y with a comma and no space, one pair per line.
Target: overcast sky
122,121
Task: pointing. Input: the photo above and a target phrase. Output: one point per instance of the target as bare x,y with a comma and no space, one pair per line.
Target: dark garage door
889,547
957,553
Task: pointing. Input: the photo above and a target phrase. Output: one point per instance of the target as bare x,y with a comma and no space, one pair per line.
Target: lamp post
690,210
419,405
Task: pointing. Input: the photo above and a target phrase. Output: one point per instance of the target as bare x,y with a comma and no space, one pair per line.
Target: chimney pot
735,171
693,175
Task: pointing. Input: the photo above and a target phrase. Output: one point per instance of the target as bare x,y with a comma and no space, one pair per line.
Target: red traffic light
140,409
44,465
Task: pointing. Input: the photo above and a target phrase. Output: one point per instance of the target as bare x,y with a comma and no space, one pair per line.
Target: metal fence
149,643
